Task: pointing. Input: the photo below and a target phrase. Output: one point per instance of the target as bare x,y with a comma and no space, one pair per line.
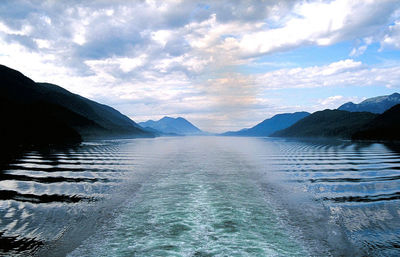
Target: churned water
203,196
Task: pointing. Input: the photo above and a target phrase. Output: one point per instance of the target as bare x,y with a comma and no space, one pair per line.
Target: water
202,196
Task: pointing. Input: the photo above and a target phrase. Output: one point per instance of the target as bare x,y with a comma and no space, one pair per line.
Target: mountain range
376,118
43,113
328,123
378,104
171,126
35,113
384,127
269,126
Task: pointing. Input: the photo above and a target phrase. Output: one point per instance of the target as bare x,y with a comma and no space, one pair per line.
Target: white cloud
23,31
333,102
358,51
342,73
318,23
330,100
161,36
79,38
392,38
42,43
125,64
151,58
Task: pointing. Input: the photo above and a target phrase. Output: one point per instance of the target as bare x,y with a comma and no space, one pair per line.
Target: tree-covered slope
40,112
328,123
384,127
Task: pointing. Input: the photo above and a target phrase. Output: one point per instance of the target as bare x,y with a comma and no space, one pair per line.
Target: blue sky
223,65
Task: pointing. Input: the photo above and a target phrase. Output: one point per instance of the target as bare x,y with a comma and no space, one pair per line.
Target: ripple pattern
203,196
41,191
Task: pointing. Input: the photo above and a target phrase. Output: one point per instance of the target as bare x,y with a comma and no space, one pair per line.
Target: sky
223,65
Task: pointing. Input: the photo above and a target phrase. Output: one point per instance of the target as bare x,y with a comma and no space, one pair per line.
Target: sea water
203,196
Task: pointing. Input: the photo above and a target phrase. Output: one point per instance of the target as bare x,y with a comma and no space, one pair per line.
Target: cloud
123,63
342,73
392,38
333,102
358,51
316,23
174,33
152,58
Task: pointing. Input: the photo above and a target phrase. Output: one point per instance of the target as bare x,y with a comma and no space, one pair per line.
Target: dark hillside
41,113
384,127
328,123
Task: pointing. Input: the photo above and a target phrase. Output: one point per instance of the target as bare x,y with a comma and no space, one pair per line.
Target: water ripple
202,197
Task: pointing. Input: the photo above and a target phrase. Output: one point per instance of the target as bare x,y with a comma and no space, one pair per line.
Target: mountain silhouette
34,113
328,123
377,104
172,126
271,125
384,127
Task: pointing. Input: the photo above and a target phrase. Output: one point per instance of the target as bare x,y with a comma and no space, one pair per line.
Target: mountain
42,112
111,121
174,126
375,105
37,123
384,127
269,126
328,123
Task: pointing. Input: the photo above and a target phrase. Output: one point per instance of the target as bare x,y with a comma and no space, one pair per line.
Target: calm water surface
202,196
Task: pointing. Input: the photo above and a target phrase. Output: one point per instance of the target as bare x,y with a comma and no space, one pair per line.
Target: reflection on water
202,196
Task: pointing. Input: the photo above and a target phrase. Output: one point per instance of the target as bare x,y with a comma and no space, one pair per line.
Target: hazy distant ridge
377,104
271,125
168,125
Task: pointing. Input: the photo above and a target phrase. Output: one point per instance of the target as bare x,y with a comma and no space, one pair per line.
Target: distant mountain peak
348,104
170,125
377,104
271,125
166,118
172,118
